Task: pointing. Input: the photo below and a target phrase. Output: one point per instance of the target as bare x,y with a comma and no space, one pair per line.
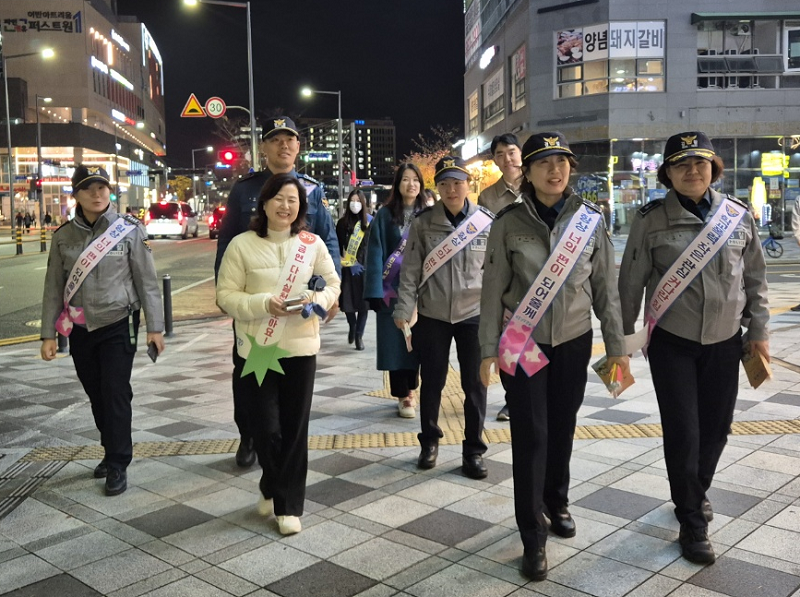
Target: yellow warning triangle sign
193,108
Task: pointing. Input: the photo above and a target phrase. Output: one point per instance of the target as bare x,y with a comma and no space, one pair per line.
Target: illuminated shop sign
122,43
45,21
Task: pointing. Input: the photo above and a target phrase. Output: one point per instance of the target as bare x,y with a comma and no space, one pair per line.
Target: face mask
355,207
430,202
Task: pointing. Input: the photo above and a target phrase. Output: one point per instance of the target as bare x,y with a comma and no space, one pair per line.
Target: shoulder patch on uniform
486,211
131,219
146,244
592,205
422,211
648,207
507,209
741,202
306,177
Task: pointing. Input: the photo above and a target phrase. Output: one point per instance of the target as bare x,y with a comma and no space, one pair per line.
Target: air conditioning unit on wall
741,29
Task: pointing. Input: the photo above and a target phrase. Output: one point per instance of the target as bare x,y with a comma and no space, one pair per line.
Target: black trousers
402,381
696,387
432,339
240,399
103,360
357,321
543,411
279,411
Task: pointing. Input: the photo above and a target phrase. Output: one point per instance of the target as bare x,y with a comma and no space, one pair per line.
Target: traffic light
228,156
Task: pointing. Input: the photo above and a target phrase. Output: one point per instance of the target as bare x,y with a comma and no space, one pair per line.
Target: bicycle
771,244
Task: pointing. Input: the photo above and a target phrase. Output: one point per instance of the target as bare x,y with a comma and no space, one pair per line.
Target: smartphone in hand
152,351
293,304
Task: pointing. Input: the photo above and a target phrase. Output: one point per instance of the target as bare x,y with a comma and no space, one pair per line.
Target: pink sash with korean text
301,257
517,346
457,241
687,267
85,263
391,269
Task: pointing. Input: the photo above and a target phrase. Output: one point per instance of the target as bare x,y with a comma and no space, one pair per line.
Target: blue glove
314,308
356,269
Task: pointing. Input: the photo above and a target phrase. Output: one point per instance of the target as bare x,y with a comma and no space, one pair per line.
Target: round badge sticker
306,237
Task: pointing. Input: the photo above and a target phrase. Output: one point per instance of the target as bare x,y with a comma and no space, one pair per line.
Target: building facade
99,101
373,142
619,77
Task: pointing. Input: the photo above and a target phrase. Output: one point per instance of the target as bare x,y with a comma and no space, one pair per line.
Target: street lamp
308,92
209,149
39,185
253,133
46,53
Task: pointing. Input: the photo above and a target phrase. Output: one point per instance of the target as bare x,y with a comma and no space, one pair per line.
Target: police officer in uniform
696,346
280,144
103,337
507,156
449,307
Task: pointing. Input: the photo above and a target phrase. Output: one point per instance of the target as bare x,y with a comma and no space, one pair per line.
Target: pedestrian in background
351,230
277,343
441,276
708,243
281,145
385,254
796,230
507,156
106,259
430,198
534,258
28,221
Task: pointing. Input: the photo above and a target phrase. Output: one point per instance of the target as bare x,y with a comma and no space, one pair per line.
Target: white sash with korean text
517,346
301,258
686,268
457,241
85,263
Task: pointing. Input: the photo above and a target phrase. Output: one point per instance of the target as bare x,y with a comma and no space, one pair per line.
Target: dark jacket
351,300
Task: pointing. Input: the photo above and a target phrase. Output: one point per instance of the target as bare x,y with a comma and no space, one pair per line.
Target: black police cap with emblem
687,145
451,166
86,175
542,145
281,124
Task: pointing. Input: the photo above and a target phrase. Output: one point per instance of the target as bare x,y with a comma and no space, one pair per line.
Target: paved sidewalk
374,525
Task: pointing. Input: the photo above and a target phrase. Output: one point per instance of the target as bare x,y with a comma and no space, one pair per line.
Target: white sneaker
406,406
265,506
289,525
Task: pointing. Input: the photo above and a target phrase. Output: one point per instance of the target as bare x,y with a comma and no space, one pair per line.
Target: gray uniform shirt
497,196
124,278
730,292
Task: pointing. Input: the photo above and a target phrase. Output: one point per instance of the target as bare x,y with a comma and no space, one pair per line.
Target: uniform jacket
497,196
519,245
124,278
248,278
731,291
242,203
453,293
383,238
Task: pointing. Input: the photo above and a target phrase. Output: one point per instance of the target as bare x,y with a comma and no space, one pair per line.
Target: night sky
402,59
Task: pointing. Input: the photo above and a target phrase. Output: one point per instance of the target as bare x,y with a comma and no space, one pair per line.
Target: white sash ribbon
85,263
517,346
457,241
686,268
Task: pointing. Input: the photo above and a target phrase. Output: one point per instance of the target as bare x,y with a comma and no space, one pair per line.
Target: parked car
214,221
171,218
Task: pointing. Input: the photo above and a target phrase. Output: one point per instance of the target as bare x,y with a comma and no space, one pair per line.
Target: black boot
534,564
351,335
359,343
246,454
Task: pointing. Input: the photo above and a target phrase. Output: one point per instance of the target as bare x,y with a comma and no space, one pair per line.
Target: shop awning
698,17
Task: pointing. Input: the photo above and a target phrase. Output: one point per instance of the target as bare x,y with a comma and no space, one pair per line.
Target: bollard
43,240
63,344
167,305
19,241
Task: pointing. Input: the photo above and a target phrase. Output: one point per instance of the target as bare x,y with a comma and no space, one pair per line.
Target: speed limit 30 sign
215,107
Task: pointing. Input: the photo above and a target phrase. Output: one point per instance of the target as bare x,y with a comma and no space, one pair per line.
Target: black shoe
359,343
534,564
503,414
708,511
796,308
246,454
101,470
427,457
473,467
561,522
116,481
351,335
695,545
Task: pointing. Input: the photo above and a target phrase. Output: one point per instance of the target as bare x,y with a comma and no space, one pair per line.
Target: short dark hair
717,167
395,202
505,139
259,222
527,187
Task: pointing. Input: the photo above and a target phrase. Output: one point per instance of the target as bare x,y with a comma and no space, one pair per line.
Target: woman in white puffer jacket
270,283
